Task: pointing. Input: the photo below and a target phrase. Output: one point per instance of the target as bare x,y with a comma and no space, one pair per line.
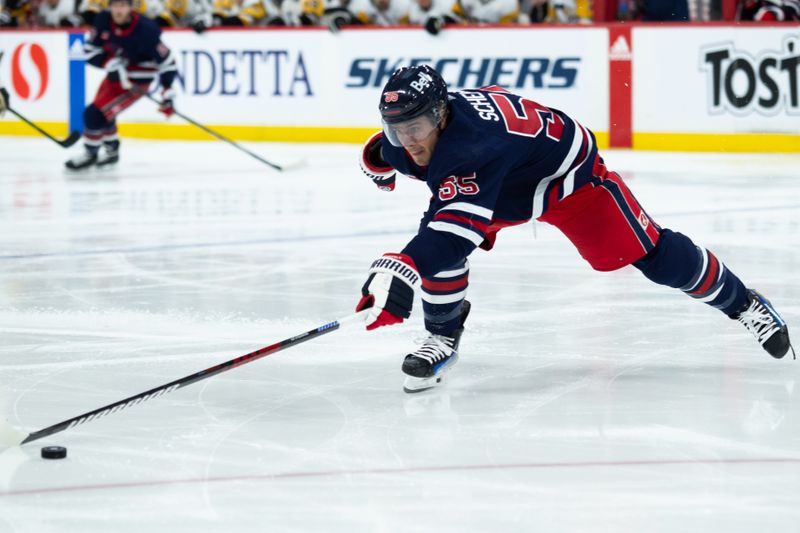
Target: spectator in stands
14,13
57,14
769,10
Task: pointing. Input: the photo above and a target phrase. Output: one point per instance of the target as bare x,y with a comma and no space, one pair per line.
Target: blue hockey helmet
410,93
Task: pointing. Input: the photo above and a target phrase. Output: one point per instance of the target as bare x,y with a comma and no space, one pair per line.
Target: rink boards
706,87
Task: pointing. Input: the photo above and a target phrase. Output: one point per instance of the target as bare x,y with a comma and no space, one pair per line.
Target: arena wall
709,87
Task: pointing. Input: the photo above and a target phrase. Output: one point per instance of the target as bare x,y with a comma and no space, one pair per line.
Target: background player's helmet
410,93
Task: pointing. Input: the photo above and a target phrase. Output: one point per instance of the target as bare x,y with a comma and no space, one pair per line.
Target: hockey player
58,14
380,12
488,11
14,13
238,12
493,159
89,9
195,14
432,14
128,46
769,10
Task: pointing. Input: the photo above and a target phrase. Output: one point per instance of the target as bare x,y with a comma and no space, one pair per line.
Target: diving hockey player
128,46
493,159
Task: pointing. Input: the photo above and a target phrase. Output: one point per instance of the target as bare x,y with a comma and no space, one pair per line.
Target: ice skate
766,325
82,161
426,367
110,157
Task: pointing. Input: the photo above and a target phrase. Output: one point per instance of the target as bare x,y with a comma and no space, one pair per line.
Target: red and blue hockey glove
167,105
373,165
389,290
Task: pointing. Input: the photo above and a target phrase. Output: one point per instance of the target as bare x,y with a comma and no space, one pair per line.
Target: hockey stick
225,139
11,436
66,143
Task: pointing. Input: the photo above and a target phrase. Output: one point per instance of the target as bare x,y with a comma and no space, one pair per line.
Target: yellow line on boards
717,142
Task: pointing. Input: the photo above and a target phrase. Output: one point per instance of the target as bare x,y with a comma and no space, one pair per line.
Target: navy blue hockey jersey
139,43
501,160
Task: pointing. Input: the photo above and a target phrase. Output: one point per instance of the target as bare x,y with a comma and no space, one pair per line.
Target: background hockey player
128,46
432,14
493,159
195,14
238,12
488,11
57,14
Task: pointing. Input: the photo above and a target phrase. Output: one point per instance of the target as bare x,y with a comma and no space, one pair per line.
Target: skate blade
415,385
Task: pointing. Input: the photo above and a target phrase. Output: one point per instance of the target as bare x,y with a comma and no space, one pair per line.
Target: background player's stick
225,139
11,436
66,143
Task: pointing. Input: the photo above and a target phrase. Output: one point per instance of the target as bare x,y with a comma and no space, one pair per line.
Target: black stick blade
72,139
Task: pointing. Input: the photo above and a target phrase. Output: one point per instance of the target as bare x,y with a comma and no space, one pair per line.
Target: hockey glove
434,25
116,70
373,165
199,26
3,101
389,290
166,106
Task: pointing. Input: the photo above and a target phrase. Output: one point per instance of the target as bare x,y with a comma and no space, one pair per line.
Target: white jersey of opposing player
52,15
381,12
251,12
438,8
488,11
188,12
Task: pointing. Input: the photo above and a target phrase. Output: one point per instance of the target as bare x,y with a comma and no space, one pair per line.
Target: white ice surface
583,402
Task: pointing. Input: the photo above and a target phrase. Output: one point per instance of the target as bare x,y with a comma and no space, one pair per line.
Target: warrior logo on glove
389,290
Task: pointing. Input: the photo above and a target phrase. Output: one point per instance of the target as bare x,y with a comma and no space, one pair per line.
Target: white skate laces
434,348
764,323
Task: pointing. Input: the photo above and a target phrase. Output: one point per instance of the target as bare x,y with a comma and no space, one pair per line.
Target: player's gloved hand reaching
4,98
166,105
116,70
373,165
389,290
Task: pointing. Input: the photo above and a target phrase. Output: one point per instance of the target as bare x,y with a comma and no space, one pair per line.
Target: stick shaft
219,136
188,380
69,141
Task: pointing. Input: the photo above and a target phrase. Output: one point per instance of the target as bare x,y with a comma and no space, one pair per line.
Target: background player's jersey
501,160
488,11
139,44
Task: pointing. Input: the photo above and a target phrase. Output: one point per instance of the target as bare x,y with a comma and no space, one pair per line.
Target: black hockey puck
54,452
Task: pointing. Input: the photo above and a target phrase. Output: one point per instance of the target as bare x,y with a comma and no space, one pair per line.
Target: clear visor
412,131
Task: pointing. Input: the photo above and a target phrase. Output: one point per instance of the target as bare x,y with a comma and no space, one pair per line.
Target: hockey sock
95,126
443,298
110,138
679,263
